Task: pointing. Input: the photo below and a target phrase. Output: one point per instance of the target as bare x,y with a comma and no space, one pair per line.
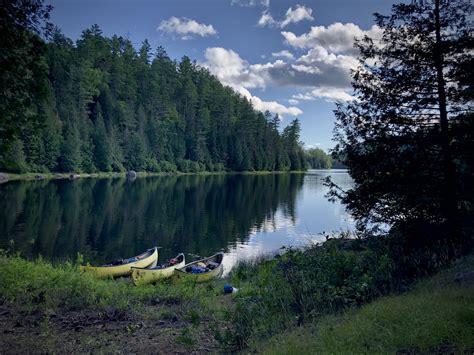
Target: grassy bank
437,314
281,307
303,287
41,305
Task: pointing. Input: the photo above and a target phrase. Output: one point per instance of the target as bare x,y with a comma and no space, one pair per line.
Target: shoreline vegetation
363,311
5,176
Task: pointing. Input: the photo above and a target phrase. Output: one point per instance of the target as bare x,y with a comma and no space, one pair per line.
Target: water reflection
313,215
106,219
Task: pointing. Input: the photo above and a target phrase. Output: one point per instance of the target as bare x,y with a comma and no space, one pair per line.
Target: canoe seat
212,265
121,262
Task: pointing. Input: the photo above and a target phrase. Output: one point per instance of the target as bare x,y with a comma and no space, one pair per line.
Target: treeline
101,105
317,158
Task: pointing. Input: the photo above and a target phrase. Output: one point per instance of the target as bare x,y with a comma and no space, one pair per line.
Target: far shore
5,176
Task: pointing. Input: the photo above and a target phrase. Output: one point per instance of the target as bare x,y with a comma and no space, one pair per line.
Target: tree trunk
449,199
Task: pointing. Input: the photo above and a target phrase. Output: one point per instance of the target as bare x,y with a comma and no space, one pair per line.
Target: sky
292,58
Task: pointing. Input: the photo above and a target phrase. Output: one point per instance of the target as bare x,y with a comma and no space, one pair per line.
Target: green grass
436,311
183,313
38,284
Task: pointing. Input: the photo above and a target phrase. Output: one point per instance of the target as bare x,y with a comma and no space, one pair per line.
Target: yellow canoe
202,270
142,276
124,267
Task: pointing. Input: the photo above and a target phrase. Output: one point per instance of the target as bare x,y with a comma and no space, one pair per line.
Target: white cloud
316,68
271,106
285,54
320,56
330,57
306,69
330,71
232,70
300,13
336,38
312,146
323,75
304,97
251,3
266,20
293,102
237,73
332,94
186,28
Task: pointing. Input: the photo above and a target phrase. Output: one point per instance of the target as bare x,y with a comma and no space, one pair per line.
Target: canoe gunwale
141,276
210,274
153,269
149,257
139,257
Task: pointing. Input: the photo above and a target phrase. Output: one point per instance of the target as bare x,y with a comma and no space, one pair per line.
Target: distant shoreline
5,177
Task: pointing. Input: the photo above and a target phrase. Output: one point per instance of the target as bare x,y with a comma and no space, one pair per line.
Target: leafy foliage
317,158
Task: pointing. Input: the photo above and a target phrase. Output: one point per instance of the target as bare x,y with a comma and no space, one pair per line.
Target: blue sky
290,57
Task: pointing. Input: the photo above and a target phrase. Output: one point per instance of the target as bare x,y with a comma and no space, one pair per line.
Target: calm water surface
106,219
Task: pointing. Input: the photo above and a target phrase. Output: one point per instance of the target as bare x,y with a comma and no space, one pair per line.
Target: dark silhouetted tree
397,137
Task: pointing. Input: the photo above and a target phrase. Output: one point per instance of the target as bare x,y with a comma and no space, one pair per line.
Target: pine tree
70,159
14,157
22,70
102,149
396,137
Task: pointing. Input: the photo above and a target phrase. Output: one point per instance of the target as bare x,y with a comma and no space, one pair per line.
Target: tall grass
436,313
302,285
39,284
343,273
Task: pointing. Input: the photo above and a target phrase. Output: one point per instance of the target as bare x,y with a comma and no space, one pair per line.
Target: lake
106,219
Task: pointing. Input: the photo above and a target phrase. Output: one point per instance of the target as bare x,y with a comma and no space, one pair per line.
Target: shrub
184,165
168,167
152,165
304,284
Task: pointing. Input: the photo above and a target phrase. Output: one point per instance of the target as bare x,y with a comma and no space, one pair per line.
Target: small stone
4,178
131,174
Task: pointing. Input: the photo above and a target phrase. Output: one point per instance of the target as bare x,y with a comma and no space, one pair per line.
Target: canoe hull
121,270
204,277
142,276
181,273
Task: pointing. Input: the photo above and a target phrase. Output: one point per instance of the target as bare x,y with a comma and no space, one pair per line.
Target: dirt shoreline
109,331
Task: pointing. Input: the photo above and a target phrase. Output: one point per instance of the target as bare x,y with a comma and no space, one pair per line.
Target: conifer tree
397,137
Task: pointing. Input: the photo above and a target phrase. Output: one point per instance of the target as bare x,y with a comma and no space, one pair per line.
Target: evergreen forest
101,105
